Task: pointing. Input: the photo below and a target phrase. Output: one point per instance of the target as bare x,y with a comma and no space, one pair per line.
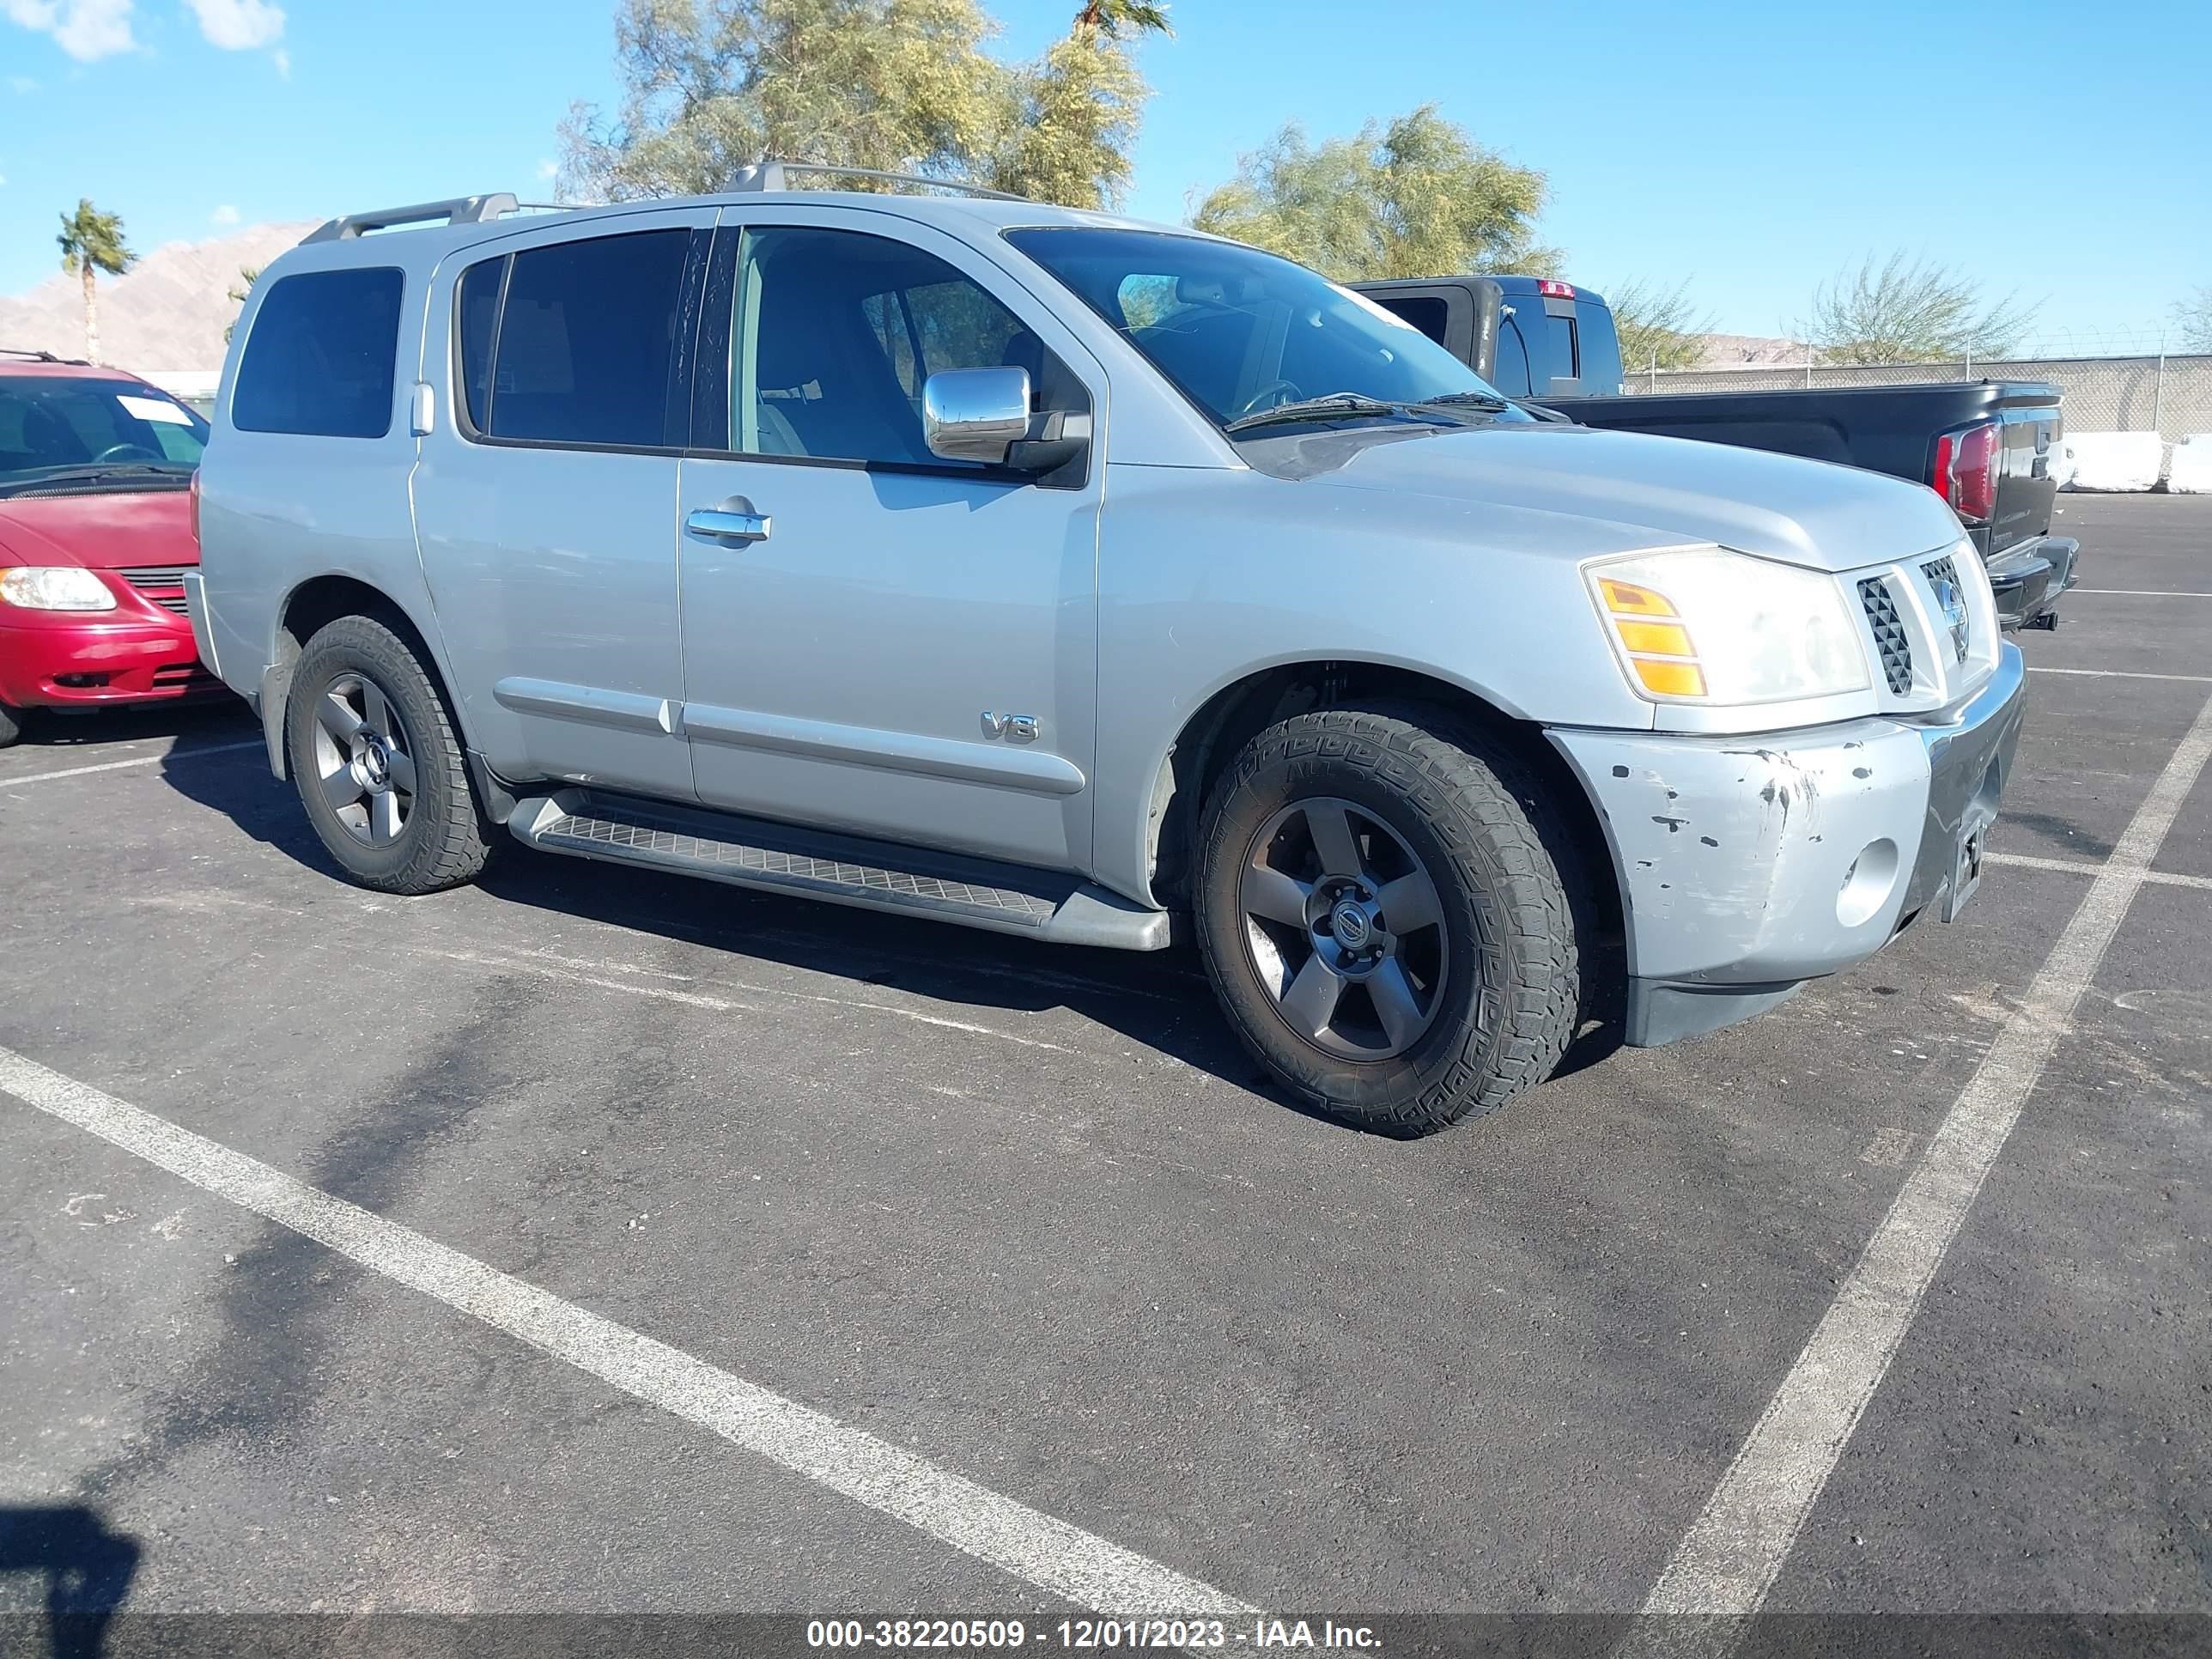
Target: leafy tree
1657,325
2194,315
1112,16
91,242
1418,198
1909,312
1071,117
247,277
709,86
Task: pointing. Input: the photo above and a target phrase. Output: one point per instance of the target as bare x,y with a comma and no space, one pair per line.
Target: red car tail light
1965,472
196,506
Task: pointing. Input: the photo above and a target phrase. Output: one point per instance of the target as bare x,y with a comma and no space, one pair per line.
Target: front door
545,498
877,640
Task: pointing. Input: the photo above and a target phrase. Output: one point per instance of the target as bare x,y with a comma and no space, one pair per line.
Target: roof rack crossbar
460,211
35,356
769,175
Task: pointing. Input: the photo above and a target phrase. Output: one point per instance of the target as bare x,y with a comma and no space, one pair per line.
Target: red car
96,532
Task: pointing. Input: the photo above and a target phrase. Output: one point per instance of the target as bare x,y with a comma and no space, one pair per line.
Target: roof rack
460,211
768,174
39,356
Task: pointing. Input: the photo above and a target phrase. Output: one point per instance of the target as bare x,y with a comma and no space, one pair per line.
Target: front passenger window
838,330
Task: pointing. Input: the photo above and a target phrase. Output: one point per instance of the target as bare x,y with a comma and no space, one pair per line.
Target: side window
1425,313
1512,377
838,330
320,359
478,306
583,349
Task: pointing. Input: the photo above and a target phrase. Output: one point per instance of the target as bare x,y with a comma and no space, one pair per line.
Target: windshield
59,427
1242,333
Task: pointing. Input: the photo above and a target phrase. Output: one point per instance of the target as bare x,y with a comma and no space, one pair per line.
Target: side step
1004,898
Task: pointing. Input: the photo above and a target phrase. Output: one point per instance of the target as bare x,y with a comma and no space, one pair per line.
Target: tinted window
478,305
838,331
585,349
1512,361
1566,355
54,425
1601,348
320,359
1241,331
1430,316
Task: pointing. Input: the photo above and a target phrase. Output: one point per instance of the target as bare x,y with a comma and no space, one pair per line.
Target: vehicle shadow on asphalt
212,719
87,1570
1159,1000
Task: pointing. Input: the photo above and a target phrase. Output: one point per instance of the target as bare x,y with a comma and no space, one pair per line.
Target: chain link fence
2171,396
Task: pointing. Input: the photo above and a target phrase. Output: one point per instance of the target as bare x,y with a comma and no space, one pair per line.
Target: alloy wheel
1344,928
363,760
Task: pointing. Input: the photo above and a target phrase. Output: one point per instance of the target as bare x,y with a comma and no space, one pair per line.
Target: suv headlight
55,587
1706,625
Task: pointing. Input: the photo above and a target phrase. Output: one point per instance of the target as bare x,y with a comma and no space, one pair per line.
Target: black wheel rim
1343,929
364,763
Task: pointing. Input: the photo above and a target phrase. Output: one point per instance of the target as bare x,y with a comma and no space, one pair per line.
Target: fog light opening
1867,884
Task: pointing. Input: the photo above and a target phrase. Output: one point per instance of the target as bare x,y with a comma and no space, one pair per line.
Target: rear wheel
11,726
373,750
1384,913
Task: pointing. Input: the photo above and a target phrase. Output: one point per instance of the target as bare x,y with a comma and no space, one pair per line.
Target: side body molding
1029,771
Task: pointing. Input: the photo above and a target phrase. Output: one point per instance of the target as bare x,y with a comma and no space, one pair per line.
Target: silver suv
1072,578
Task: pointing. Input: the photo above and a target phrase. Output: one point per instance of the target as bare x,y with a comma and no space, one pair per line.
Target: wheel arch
1224,722
313,604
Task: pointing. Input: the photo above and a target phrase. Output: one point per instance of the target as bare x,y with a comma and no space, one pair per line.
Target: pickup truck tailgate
2028,426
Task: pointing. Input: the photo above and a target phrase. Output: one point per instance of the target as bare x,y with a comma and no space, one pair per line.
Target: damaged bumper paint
1747,865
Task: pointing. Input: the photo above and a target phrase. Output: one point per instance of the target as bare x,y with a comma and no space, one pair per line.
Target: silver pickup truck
1079,580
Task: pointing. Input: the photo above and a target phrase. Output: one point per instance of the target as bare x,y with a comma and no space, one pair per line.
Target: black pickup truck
1985,445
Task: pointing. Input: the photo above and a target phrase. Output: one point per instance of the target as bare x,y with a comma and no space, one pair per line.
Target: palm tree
91,242
1111,16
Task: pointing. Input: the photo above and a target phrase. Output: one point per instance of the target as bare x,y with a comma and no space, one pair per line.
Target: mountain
1749,350
168,313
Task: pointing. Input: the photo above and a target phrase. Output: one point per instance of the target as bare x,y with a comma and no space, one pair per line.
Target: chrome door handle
721,525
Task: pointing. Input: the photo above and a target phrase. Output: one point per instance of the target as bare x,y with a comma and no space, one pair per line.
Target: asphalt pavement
805,1261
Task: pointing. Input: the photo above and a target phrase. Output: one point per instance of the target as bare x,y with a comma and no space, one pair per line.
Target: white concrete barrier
2115,461
2190,473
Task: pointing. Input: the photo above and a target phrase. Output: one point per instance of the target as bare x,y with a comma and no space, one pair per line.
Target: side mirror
976,414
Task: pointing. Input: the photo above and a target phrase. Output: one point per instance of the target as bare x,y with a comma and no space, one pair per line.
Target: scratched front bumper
1747,865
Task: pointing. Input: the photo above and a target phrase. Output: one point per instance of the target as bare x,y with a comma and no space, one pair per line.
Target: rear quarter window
319,361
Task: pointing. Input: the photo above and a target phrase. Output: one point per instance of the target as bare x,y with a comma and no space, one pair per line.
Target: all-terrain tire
444,838
1505,878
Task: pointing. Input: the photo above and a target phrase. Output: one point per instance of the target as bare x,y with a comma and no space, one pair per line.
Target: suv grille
1888,632
162,584
1943,577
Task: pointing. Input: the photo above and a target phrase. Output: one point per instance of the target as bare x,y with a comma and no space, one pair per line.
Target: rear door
545,499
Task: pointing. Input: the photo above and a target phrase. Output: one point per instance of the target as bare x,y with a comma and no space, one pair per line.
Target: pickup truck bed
1985,445
1894,429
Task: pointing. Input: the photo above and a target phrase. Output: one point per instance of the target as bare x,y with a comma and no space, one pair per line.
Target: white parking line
1036,1547
2139,593
142,760
2090,867
1729,1560
2123,674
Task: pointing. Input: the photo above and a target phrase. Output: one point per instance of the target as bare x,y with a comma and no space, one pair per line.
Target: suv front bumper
1750,865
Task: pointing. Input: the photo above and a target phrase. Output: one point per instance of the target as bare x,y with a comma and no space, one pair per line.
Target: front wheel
372,748
1382,910
11,726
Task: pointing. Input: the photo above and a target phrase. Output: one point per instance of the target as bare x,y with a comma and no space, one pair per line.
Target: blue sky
1753,149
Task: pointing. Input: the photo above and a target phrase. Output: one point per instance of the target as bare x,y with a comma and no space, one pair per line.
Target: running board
1004,898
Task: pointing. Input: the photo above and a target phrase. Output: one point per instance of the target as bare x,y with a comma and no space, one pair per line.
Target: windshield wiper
1320,409
90,472
1467,400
